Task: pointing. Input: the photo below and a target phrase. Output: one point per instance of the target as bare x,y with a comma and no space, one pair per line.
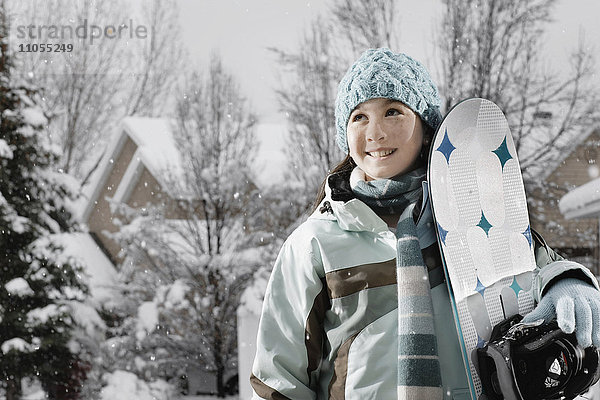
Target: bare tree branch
491,49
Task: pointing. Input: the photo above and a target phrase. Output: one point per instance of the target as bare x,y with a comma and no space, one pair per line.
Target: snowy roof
544,170
582,202
155,142
101,273
157,151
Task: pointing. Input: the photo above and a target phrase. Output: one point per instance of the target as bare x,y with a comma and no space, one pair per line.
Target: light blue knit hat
383,73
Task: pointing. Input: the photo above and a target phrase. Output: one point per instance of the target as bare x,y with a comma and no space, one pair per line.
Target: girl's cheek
353,136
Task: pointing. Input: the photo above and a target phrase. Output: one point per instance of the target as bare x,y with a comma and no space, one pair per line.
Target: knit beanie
383,73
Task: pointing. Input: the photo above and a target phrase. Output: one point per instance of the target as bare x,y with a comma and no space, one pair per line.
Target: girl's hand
576,306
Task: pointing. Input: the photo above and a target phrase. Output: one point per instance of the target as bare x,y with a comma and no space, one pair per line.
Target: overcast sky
241,30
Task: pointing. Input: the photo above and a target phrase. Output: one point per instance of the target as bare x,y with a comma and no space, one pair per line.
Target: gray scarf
418,363
388,196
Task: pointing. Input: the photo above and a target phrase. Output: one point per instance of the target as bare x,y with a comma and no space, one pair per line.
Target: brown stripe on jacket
343,282
265,391
337,385
314,334
347,281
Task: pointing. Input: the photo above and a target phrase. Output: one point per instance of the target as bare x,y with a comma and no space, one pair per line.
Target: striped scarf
388,196
419,375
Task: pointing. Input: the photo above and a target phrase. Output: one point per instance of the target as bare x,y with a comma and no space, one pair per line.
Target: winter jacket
328,328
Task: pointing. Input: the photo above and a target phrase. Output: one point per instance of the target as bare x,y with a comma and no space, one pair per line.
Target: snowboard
480,212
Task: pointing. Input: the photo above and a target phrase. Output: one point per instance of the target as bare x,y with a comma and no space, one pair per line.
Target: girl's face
384,138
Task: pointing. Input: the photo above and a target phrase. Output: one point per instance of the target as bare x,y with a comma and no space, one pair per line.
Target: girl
329,327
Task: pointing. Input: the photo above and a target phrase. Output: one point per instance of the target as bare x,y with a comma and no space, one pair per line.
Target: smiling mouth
383,153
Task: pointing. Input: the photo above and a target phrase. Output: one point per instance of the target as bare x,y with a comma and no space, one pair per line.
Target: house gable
147,190
578,142
125,178
99,217
581,165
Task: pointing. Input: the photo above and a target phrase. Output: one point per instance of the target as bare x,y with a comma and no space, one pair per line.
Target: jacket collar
342,206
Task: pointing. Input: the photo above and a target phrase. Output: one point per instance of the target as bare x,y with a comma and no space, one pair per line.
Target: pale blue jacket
328,328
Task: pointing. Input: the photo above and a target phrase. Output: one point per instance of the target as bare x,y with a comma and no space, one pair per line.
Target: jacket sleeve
290,334
551,266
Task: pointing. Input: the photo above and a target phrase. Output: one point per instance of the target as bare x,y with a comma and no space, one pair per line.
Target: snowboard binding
534,361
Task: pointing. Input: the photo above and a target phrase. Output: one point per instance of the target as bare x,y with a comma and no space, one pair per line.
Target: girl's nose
375,132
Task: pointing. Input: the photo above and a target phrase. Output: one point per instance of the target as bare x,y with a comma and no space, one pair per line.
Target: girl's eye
392,112
358,117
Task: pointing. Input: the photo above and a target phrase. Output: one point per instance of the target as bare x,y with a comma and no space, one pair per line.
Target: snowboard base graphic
480,211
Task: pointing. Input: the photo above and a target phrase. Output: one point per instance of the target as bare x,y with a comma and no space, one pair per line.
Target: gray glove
576,306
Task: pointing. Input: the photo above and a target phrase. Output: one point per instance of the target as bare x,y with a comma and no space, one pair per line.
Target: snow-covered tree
39,285
189,272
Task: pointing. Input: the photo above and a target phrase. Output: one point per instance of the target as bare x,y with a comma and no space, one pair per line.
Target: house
576,239
583,203
133,172
138,164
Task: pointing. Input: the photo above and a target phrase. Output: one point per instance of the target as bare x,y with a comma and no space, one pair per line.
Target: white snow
147,319
42,315
248,316
27,131
17,344
252,298
100,272
582,202
34,116
63,180
32,390
87,317
5,150
156,145
19,223
18,287
176,295
123,385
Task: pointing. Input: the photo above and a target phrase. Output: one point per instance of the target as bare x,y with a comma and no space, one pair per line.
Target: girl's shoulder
315,227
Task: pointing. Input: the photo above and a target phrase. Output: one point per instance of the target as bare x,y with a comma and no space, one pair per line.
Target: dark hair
348,164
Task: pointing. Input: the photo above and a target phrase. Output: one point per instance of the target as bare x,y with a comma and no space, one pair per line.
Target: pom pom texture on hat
383,73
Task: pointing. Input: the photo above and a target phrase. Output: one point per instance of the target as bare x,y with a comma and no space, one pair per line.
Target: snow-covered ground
37,396
124,385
